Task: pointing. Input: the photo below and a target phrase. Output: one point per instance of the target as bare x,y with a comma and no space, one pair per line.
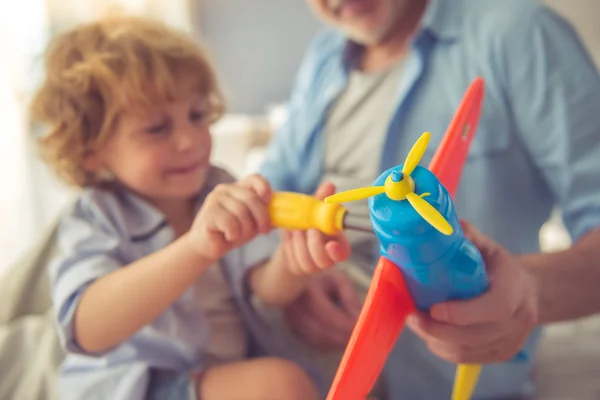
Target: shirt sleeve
87,249
554,93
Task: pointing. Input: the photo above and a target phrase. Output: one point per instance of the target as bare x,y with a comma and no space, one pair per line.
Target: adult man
396,68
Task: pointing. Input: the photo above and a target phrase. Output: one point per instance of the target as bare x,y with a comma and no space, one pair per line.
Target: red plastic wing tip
447,162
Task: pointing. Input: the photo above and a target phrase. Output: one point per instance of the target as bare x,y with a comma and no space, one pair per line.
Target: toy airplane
425,258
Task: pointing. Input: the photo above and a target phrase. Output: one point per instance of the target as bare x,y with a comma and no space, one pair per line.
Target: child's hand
310,251
232,215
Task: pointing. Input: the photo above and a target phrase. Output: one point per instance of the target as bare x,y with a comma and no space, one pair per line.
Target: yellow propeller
429,213
400,186
355,194
416,153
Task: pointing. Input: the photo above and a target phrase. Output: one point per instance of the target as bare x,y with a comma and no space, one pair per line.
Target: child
154,262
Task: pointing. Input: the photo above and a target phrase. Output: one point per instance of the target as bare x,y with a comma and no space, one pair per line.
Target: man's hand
325,314
492,327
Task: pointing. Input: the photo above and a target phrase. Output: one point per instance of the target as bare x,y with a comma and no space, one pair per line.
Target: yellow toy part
300,211
465,381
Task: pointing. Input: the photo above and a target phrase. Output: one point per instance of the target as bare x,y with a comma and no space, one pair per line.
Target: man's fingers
472,348
501,350
456,346
311,330
338,249
325,304
288,249
316,248
477,335
302,253
499,303
490,307
486,246
326,189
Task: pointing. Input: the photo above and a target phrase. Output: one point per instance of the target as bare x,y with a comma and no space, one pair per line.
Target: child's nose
185,139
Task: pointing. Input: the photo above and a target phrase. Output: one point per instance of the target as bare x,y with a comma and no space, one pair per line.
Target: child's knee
288,381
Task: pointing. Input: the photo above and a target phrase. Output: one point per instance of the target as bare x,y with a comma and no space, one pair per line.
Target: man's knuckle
255,177
456,358
452,356
461,354
323,263
504,313
311,268
256,180
221,187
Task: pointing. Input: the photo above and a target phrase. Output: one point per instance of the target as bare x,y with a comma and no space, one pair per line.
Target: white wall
585,16
257,45
31,197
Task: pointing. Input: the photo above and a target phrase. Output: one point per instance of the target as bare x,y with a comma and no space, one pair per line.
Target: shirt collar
442,18
142,219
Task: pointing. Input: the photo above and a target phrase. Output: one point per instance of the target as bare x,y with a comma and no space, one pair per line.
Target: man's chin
365,38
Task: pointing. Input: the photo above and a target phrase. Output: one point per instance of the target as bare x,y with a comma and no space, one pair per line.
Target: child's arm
274,283
117,305
280,281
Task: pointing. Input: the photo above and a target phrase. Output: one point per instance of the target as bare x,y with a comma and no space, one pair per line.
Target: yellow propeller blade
416,153
355,194
429,213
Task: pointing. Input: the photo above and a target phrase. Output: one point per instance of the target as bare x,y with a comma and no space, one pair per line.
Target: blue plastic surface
436,267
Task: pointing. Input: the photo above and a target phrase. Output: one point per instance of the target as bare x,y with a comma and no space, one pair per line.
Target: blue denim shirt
106,230
537,146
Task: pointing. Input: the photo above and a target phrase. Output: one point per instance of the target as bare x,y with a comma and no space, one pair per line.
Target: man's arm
567,281
555,96
553,90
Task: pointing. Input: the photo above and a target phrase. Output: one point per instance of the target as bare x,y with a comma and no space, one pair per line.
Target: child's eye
163,127
197,115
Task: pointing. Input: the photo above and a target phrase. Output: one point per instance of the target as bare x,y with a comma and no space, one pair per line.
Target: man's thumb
485,245
326,189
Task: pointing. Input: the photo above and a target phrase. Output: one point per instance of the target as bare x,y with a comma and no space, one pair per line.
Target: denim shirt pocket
491,138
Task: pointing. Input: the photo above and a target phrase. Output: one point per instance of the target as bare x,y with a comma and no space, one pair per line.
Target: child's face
162,153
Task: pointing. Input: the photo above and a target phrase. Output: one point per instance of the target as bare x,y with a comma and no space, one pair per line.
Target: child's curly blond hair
96,70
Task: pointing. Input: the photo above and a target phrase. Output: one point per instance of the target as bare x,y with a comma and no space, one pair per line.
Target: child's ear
92,162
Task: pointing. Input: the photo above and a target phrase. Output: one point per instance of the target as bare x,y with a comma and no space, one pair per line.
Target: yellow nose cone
397,185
